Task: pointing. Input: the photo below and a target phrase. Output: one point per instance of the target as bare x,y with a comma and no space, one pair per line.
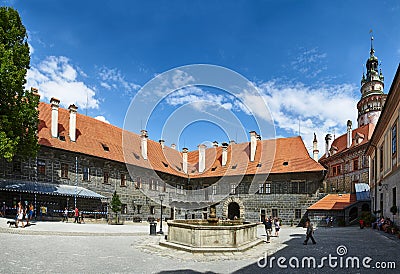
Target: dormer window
62,138
213,168
259,165
105,147
286,163
234,167
165,164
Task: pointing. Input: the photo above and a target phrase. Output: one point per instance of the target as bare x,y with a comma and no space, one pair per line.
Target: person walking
309,233
20,215
65,215
76,215
277,227
268,228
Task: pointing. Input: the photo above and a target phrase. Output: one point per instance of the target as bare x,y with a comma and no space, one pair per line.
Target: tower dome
372,97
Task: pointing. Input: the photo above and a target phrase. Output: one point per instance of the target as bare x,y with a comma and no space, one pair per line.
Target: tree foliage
18,107
116,203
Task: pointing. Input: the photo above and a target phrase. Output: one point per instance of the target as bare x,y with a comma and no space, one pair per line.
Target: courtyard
56,247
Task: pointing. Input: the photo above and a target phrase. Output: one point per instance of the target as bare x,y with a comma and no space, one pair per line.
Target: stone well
201,236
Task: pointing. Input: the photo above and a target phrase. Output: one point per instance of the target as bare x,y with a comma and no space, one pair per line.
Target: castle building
345,158
83,161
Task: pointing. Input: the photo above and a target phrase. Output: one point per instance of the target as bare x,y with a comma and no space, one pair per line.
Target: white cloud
57,77
102,118
309,62
322,110
113,79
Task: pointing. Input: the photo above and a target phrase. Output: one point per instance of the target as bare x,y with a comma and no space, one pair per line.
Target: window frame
64,170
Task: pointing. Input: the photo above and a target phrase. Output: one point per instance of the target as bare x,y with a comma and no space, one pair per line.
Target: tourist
20,214
331,221
309,232
277,227
31,209
65,215
268,227
327,220
76,215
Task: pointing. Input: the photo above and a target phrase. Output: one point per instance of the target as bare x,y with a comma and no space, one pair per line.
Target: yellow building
384,156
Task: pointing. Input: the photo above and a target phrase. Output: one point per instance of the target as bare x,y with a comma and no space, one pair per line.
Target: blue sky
305,58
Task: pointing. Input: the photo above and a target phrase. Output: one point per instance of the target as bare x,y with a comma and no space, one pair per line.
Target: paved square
54,247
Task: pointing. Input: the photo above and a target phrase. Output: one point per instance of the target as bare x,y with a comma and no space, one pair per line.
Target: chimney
173,146
54,116
328,139
224,154
185,160
349,134
202,157
215,144
253,145
144,136
232,142
72,122
162,143
315,148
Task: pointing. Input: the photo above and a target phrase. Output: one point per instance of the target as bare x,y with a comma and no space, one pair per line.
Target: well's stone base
199,236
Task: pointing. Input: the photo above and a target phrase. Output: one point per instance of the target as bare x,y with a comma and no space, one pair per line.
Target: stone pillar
144,137
72,122
54,116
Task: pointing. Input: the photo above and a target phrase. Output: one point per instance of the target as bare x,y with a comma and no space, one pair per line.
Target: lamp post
161,196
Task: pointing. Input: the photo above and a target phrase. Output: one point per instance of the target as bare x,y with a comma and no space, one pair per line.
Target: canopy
48,188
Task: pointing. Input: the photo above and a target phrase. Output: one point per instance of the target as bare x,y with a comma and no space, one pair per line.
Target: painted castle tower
372,96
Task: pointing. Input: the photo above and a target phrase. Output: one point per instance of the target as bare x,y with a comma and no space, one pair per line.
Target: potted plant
116,206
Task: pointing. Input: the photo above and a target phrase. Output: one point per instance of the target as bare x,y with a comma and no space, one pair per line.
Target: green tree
18,107
116,205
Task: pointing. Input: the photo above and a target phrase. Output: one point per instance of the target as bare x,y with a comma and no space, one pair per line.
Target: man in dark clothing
309,233
268,227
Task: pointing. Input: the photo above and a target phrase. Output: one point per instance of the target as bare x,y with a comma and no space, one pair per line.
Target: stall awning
48,188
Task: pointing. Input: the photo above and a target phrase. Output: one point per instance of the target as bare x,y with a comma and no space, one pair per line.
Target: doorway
233,211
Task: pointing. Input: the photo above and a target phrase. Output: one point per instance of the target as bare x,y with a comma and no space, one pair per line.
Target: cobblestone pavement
99,248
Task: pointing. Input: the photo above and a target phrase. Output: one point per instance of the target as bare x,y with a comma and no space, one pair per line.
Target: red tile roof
91,135
334,202
341,142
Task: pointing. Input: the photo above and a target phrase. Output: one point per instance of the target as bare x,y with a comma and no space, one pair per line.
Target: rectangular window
106,176
138,183
355,164
164,186
64,170
334,171
139,207
152,210
394,139
302,187
394,198
268,188
274,212
261,188
214,190
41,167
123,179
124,209
86,173
233,189
295,187
338,168
297,213
381,158
373,168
